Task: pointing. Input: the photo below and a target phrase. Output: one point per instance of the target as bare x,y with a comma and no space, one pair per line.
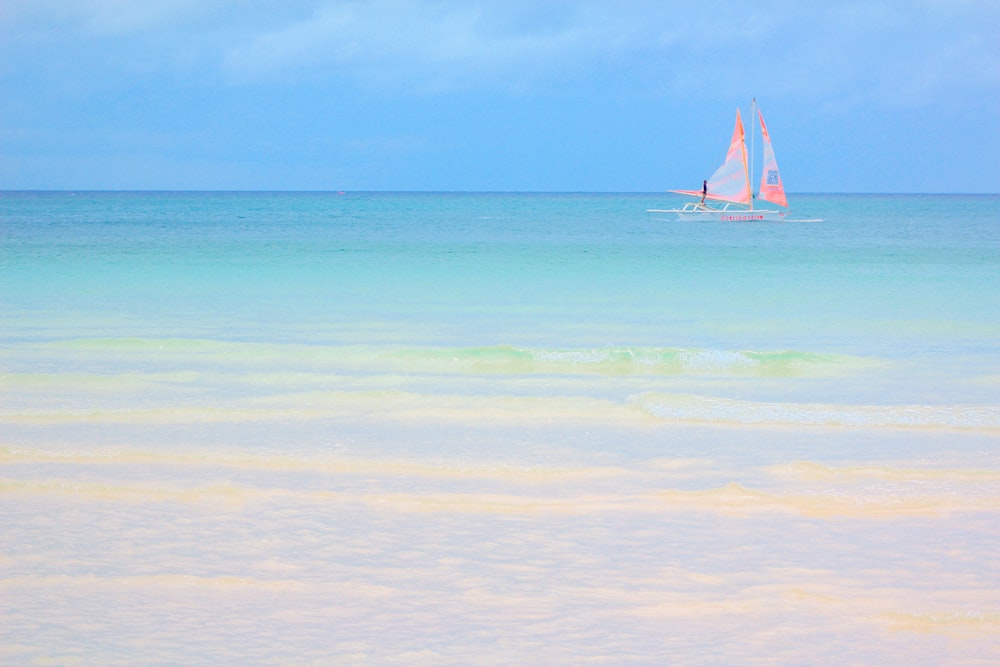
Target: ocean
491,429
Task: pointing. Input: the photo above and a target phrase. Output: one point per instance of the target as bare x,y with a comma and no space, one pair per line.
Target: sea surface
493,429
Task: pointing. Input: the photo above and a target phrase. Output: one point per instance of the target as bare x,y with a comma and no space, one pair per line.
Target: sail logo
772,177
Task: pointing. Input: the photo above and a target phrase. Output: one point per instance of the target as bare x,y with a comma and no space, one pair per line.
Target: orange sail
731,181
771,187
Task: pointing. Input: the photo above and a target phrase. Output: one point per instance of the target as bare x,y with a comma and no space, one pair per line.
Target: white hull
696,212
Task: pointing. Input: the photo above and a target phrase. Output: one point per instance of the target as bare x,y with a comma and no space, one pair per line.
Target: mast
753,131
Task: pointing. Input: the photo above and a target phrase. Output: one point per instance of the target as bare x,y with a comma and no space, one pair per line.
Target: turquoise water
505,268
495,428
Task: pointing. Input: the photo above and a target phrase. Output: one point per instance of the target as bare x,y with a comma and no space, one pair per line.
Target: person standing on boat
704,191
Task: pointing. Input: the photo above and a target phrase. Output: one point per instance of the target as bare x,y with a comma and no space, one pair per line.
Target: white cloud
908,51
416,43
857,49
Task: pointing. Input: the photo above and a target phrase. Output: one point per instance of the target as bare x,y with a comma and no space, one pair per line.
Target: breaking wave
500,359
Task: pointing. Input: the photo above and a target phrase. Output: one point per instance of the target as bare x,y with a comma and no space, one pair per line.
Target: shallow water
493,429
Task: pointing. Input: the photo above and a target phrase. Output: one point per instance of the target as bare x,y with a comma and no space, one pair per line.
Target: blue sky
867,96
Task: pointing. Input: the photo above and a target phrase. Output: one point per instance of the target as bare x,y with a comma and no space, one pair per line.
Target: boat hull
715,215
733,216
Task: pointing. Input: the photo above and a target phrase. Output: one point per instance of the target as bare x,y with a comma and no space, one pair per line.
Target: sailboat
727,196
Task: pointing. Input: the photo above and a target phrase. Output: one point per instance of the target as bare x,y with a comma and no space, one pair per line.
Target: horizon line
337,191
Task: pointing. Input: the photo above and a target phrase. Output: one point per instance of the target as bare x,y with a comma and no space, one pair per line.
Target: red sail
771,187
731,181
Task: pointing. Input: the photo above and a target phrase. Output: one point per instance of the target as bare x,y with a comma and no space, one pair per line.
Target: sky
495,95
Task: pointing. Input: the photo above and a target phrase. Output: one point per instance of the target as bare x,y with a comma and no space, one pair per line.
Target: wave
498,359
817,472
732,499
629,360
373,405
412,407
325,462
715,410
